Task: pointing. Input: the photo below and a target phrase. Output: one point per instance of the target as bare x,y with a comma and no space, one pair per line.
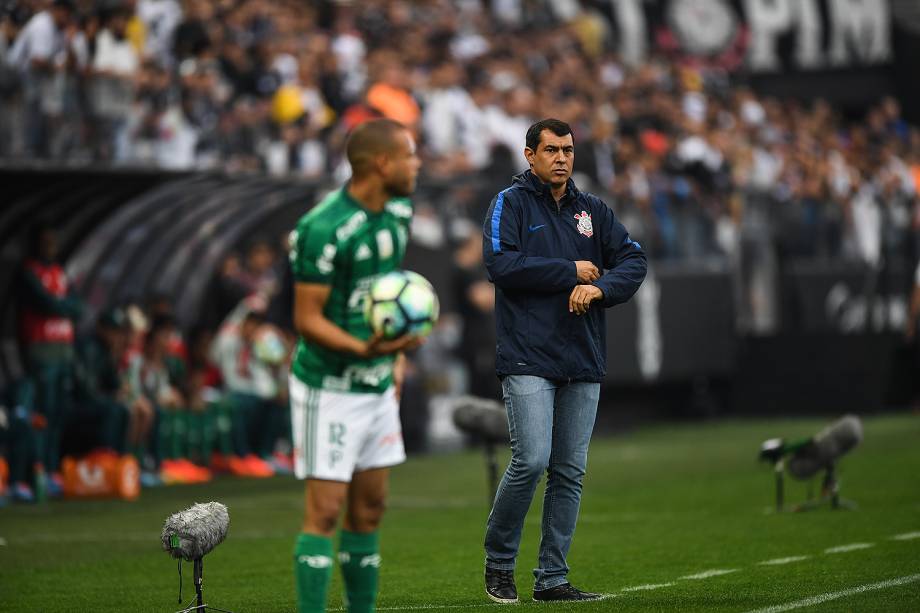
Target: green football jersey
342,244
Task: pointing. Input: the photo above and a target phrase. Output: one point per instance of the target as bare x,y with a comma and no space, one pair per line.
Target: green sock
312,571
359,557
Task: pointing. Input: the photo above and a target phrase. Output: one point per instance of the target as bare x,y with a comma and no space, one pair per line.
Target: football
401,302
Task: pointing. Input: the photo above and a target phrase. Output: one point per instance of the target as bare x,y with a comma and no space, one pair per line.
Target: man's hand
377,346
586,271
582,297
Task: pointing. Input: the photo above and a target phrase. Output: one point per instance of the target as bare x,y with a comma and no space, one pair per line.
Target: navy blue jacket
530,246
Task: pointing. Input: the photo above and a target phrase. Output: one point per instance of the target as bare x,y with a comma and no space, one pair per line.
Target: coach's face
553,160
401,166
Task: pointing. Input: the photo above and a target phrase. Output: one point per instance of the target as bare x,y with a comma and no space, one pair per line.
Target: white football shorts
337,434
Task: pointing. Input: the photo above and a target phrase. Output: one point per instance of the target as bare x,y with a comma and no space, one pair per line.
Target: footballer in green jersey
345,381
342,244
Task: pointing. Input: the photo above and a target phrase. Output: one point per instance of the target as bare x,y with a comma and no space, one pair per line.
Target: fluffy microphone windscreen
192,533
826,447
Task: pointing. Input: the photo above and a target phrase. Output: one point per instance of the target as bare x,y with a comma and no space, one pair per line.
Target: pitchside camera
487,421
190,535
807,457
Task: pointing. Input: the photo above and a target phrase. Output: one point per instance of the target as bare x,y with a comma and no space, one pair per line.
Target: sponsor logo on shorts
391,439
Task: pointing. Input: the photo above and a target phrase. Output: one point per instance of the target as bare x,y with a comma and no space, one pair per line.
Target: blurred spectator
475,298
46,310
43,52
114,68
100,390
148,376
253,392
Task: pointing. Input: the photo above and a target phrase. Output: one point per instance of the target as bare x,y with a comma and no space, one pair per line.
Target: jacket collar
532,183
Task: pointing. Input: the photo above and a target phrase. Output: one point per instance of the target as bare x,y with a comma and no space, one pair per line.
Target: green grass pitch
661,504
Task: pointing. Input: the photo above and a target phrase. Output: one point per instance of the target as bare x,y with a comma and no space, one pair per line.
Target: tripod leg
199,571
778,472
830,488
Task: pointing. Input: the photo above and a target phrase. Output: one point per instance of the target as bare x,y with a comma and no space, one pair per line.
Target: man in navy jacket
557,257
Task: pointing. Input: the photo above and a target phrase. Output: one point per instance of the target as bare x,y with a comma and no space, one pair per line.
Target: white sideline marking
813,600
716,572
906,536
850,547
650,586
778,561
425,607
421,607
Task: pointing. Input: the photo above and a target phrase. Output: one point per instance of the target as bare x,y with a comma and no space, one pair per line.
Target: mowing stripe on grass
779,561
820,598
907,536
134,537
716,572
650,586
850,547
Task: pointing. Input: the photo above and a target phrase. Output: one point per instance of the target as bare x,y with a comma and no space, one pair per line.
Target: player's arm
310,322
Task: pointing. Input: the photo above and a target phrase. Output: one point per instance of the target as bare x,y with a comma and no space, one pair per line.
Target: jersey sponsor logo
584,223
324,261
336,384
363,252
347,229
368,375
362,287
399,209
315,561
335,456
384,244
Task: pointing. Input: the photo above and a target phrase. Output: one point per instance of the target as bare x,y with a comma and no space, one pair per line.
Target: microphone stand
197,579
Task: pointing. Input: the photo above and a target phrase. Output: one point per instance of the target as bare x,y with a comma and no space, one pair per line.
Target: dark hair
556,126
37,233
370,139
160,323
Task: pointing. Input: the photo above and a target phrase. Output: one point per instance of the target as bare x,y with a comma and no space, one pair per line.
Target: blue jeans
550,424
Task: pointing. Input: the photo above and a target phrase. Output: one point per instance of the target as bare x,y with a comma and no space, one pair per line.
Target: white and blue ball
401,302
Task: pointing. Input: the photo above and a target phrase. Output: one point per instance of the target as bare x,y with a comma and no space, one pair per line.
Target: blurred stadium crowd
699,166
693,157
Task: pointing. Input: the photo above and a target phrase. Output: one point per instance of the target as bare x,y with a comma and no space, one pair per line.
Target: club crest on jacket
584,223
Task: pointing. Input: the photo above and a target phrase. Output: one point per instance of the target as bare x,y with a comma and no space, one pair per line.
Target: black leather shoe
566,591
500,586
